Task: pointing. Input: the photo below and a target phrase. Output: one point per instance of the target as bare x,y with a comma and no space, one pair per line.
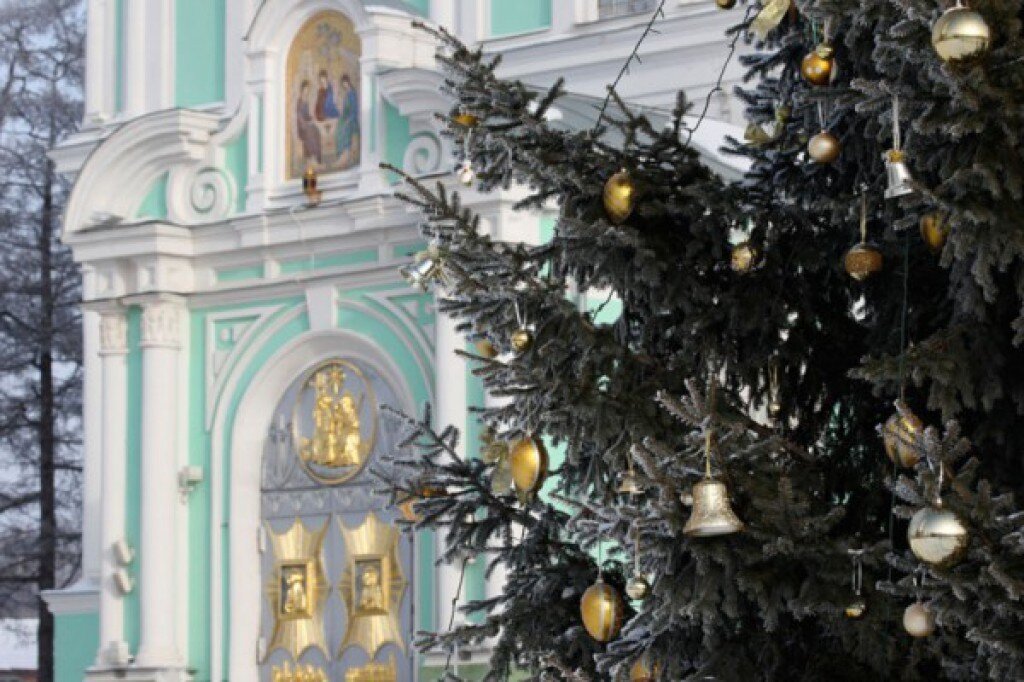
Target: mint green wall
118,55
520,16
199,52
420,6
236,162
75,643
397,137
133,423
154,205
239,274
330,260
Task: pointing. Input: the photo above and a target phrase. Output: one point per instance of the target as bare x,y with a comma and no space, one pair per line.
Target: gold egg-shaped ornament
638,588
528,462
743,258
824,147
725,4
485,349
522,340
619,196
818,65
961,34
937,537
934,230
643,671
602,610
856,609
466,119
901,436
918,620
862,261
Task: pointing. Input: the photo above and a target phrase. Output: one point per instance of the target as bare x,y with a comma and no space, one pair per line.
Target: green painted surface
133,452
199,506
240,274
607,309
521,16
332,260
259,137
199,52
373,114
118,55
397,137
547,228
236,162
154,205
421,7
76,640
408,250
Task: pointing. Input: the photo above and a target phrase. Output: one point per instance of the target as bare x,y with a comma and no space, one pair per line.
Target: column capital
113,332
161,323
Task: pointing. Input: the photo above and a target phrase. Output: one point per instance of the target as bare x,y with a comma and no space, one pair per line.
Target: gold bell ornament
898,178
918,620
425,270
602,610
824,147
619,196
817,66
856,609
712,514
934,230
901,436
743,258
629,485
528,462
960,34
863,259
937,536
309,187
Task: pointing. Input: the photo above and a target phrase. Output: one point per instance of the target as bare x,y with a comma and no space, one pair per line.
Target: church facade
242,336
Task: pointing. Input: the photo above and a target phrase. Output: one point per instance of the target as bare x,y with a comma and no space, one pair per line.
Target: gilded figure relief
322,91
374,672
297,589
301,673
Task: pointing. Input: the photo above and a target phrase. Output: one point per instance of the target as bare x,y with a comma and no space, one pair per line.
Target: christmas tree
722,462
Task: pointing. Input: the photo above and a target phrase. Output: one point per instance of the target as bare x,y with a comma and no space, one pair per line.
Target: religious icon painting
322,97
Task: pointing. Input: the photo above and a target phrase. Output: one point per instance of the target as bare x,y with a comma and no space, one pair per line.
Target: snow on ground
18,644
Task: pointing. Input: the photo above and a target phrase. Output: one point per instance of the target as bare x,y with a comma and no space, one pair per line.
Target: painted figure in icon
306,129
347,141
371,597
295,599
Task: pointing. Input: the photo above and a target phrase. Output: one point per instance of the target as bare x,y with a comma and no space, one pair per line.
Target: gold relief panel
334,422
297,590
372,587
307,673
374,672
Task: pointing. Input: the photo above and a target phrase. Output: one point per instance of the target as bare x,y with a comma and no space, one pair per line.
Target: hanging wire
451,618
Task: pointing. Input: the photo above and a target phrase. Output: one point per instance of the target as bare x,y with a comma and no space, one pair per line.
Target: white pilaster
92,448
100,61
162,320
148,55
113,347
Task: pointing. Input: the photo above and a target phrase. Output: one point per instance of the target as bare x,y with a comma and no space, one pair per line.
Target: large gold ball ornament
522,340
901,436
934,230
937,537
528,461
743,258
960,34
918,620
824,147
602,609
619,196
862,261
817,66
638,588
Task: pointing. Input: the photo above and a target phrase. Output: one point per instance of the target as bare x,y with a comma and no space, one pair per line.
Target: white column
113,349
148,55
100,61
158,585
450,400
92,448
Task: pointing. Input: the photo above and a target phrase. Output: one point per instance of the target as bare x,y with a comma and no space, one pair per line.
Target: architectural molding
75,600
161,324
113,333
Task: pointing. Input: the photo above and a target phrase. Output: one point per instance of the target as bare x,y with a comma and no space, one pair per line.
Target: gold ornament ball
725,4
824,147
638,588
619,196
960,34
466,119
856,609
934,230
528,461
743,258
901,436
918,620
937,537
817,66
522,340
862,261
602,609
486,349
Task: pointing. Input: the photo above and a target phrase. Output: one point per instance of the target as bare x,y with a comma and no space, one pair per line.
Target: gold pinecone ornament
619,196
817,66
528,462
824,147
961,34
937,536
918,620
602,610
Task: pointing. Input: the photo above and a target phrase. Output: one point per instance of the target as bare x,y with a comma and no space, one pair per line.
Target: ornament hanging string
451,618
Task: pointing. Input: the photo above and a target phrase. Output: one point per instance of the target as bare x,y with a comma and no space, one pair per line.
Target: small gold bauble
466,119
528,461
522,340
602,609
824,147
725,4
901,436
856,609
918,620
862,261
818,65
485,349
743,258
638,588
619,196
937,537
934,230
960,34
643,671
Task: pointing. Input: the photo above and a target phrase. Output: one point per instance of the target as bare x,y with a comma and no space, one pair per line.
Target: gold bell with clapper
712,513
